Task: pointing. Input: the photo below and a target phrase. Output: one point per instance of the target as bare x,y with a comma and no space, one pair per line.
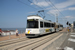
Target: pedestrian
0,31
16,32
69,29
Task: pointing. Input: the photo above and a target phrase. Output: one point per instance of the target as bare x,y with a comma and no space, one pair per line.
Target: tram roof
33,15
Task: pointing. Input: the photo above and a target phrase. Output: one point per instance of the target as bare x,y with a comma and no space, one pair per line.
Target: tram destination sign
30,19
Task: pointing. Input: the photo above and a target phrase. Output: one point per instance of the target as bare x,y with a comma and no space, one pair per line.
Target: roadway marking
73,40
72,35
68,48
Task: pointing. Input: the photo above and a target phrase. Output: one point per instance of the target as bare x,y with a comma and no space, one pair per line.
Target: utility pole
56,18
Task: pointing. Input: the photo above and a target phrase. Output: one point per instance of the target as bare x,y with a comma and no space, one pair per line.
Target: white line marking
68,48
73,40
72,35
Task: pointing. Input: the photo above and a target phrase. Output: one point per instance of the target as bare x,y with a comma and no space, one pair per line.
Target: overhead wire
46,10
26,4
36,5
56,7
49,4
40,7
31,6
49,12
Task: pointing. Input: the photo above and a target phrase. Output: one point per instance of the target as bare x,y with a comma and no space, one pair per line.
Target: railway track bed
29,44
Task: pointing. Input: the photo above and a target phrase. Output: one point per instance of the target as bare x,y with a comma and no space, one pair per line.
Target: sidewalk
3,38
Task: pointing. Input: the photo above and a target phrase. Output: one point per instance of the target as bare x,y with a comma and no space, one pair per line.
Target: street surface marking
68,48
73,40
72,35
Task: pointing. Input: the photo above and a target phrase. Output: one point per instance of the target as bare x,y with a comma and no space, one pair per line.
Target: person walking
16,32
69,29
0,31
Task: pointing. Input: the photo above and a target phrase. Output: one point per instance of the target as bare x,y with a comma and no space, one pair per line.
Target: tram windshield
32,24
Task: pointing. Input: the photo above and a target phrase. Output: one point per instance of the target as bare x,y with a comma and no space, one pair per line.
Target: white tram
38,26
58,27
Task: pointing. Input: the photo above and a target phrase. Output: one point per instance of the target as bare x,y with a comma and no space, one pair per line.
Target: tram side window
52,25
36,24
41,24
46,24
58,26
61,25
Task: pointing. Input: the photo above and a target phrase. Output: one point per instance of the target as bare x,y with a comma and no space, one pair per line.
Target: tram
38,26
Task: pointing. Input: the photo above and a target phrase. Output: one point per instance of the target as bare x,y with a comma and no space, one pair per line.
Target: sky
13,13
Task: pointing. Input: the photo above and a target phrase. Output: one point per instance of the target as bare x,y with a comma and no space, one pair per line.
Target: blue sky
13,13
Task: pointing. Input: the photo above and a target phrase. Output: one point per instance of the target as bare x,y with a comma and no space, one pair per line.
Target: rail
57,43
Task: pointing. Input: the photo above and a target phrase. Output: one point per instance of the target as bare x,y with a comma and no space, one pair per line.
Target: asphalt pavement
69,43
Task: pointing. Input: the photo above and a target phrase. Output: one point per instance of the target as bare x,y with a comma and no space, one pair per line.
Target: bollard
9,35
21,33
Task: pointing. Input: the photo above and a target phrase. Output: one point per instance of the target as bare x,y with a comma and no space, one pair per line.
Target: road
69,43
34,43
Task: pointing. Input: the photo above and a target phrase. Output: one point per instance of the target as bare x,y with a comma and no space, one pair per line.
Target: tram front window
32,24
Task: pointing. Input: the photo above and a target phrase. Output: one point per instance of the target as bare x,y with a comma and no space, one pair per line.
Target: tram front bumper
32,35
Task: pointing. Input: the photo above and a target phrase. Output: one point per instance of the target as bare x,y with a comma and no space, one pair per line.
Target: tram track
12,42
42,43
6,47
19,44
39,41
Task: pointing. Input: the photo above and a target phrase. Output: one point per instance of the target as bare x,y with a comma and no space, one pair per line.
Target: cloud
65,4
40,3
71,8
62,7
53,12
59,5
69,17
51,9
